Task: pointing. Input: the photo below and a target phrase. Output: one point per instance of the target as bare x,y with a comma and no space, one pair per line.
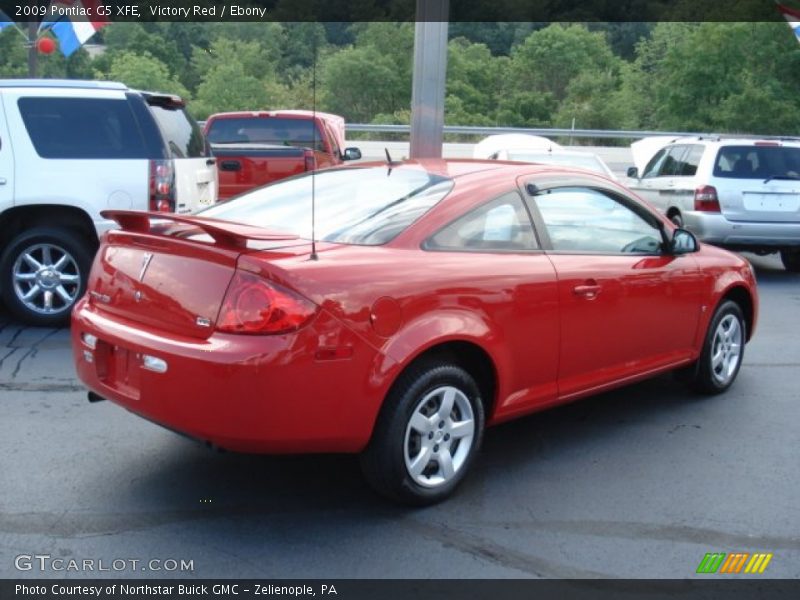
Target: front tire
427,435
44,272
723,350
791,260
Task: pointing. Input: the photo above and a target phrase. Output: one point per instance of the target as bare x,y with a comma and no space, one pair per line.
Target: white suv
742,194
70,149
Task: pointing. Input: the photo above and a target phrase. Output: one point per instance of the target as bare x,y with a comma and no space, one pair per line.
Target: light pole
429,78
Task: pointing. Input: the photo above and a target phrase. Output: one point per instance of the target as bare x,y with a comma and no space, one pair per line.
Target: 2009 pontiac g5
438,298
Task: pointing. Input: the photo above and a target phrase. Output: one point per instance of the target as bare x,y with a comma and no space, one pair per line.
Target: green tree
474,82
217,94
144,72
360,82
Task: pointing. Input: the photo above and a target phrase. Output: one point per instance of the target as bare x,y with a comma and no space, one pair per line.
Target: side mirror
683,242
633,172
351,154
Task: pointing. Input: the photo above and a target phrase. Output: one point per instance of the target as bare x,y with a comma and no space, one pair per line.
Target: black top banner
393,589
396,10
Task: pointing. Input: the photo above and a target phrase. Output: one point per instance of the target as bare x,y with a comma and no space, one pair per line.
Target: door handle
230,165
588,290
211,162
3,181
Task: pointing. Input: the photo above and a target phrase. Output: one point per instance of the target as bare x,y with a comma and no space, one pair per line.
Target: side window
502,224
82,128
591,221
691,160
672,163
652,168
335,151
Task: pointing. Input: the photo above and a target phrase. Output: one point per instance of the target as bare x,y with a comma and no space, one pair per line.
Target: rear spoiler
223,232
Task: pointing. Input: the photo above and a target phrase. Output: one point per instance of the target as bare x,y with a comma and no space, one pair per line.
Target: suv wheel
791,260
427,435
44,272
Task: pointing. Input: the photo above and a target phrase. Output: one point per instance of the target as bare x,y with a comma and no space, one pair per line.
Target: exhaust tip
92,397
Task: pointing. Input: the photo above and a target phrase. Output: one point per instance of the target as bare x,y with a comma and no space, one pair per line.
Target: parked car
741,194
571,158
259,147
507,141
438,297
69,150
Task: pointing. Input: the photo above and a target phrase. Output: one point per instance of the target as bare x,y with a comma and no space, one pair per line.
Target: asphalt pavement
641,482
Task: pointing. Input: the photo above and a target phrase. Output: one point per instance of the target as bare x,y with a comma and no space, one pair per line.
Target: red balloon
45,45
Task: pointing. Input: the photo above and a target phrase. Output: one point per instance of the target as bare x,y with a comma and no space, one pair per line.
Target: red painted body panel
378,308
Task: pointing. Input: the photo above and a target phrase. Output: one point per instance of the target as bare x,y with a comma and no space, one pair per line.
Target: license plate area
119,368
771,202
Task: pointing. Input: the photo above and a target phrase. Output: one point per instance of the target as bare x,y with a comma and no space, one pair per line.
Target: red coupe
438,298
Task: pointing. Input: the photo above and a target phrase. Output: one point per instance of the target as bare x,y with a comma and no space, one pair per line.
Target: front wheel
723,350
427,435
791,260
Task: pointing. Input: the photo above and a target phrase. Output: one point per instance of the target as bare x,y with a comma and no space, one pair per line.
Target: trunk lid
777,201
173,276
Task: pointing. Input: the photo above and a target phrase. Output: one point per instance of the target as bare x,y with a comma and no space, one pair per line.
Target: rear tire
791,260
723,351
427,435
44,272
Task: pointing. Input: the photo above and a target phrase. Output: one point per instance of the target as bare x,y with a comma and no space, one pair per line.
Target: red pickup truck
256,148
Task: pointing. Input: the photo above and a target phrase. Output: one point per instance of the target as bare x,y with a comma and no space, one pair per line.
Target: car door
658,181
492,264
626,307
6,163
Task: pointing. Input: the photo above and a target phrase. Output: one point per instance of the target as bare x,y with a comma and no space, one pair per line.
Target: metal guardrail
575,133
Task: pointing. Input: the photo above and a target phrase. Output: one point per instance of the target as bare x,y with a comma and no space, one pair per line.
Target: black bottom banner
390,589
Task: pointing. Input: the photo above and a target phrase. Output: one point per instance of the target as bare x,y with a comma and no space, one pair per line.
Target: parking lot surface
639,482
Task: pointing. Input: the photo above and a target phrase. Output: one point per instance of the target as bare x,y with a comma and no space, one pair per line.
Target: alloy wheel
46,279
439,437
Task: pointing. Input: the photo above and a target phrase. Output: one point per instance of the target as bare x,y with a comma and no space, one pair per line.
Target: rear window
275,131
366,206
82,128
181,132
758,162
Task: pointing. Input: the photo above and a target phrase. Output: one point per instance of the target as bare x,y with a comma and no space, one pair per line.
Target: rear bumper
716,229
269,394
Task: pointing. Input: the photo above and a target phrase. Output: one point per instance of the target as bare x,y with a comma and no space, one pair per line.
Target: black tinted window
181,132
81,128
758,162
275,131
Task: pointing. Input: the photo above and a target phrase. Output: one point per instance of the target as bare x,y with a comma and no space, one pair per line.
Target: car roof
476,168
62,83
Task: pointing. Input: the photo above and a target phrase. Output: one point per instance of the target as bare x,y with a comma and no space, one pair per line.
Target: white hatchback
741,194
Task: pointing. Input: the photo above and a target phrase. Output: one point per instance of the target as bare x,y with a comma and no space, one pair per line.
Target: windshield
367,206
758,162
583,161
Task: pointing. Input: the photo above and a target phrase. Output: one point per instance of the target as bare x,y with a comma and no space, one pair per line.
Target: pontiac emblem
146,258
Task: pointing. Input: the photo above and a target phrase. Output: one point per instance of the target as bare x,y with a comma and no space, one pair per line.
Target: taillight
162,185
705,199
253,305
310,160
